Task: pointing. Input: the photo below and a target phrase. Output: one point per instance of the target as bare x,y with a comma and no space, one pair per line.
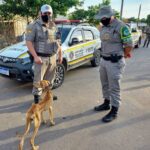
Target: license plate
4,71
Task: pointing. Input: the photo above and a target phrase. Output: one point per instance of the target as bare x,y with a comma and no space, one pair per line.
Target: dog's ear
48,82
36,84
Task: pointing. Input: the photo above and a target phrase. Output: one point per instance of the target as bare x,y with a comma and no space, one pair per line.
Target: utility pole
139,15
121,10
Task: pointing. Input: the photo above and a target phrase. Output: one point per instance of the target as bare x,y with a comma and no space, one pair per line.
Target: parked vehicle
80,44
136,35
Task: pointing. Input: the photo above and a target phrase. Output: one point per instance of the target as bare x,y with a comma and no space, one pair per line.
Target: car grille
8,59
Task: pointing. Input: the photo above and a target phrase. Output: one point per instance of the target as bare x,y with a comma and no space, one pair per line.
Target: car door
75,52
90,43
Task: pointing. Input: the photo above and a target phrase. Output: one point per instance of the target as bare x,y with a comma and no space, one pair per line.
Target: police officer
147,39
116,46
42,45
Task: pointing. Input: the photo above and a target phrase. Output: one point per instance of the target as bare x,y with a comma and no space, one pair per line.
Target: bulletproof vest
111,39
45,41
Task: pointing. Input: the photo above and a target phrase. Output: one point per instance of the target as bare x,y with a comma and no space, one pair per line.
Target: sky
131,7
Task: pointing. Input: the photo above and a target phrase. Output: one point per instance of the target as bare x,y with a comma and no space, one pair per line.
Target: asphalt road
78,127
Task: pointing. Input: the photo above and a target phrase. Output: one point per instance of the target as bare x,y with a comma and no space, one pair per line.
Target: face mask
45,18
105,21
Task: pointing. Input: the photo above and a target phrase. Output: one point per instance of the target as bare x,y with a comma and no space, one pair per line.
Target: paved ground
78,127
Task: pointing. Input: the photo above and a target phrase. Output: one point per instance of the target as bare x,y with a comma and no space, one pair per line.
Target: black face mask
45,18
105,21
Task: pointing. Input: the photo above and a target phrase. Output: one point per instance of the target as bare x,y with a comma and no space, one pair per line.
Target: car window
63,33
77,34
88,35
133,30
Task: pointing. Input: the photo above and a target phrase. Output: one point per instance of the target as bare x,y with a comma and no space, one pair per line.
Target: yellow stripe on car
23,55
80,59
79,46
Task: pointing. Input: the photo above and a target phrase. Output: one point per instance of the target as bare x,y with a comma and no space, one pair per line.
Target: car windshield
63,33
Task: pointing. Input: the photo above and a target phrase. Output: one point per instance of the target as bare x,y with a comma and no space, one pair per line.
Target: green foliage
88,15
106,2
148,19
78,14
132,19
30,8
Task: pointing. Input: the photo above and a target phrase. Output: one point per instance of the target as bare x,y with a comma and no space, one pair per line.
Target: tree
106,2
132,19
89,14
143,20
148,19
78,14
30,8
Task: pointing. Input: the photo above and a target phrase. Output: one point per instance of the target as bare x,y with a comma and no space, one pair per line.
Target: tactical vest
111,40
45,41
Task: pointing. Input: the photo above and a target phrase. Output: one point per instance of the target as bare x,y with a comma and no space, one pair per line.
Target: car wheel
59,76
138,43
96,60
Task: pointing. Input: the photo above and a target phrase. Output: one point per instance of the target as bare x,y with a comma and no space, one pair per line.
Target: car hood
15,51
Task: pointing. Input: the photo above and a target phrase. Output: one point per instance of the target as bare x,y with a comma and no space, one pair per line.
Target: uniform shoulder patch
125,32
29,28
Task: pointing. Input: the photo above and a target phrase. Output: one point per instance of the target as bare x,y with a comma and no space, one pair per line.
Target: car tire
59,76
138,43
96,59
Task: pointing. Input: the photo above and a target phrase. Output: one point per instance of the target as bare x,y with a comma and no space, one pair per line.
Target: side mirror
133,30
58,35
74,41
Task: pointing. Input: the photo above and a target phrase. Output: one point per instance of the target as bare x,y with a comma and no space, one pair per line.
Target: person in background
147,39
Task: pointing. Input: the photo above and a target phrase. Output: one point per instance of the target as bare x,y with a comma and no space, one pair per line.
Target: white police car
136,34
80,44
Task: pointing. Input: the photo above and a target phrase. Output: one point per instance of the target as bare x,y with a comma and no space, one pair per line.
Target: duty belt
44,55
112,58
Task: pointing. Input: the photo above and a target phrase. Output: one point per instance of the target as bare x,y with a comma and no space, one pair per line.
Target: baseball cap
46,8
105,11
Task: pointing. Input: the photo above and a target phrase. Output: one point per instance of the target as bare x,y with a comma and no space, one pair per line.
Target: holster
114,58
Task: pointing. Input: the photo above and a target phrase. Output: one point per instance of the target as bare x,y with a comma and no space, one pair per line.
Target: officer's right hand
38,60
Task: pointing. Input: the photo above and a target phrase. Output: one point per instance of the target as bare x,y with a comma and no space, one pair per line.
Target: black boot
55,97
36,99
111,115
104,106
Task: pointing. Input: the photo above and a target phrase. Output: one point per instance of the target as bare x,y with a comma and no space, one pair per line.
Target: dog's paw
44,122
35,148
52,123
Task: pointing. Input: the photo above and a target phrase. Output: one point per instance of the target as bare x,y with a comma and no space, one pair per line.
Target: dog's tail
27,128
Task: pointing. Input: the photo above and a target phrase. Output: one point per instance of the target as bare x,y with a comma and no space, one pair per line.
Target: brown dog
35,113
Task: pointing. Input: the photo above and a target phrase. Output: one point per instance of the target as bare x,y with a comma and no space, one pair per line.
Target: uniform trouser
147,41
44,71
110,76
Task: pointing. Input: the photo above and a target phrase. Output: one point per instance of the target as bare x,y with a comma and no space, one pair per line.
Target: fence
11,31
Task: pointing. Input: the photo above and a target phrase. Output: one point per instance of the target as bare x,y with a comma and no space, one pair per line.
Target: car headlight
25,61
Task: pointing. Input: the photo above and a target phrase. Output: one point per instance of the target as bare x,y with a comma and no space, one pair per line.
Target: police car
80,44
137,37
136,34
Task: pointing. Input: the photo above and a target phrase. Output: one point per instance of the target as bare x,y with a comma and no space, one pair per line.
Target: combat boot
104,106
111,115
36,99
55,97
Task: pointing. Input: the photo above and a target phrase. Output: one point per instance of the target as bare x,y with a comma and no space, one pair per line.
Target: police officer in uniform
147,39
116,46
42,45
